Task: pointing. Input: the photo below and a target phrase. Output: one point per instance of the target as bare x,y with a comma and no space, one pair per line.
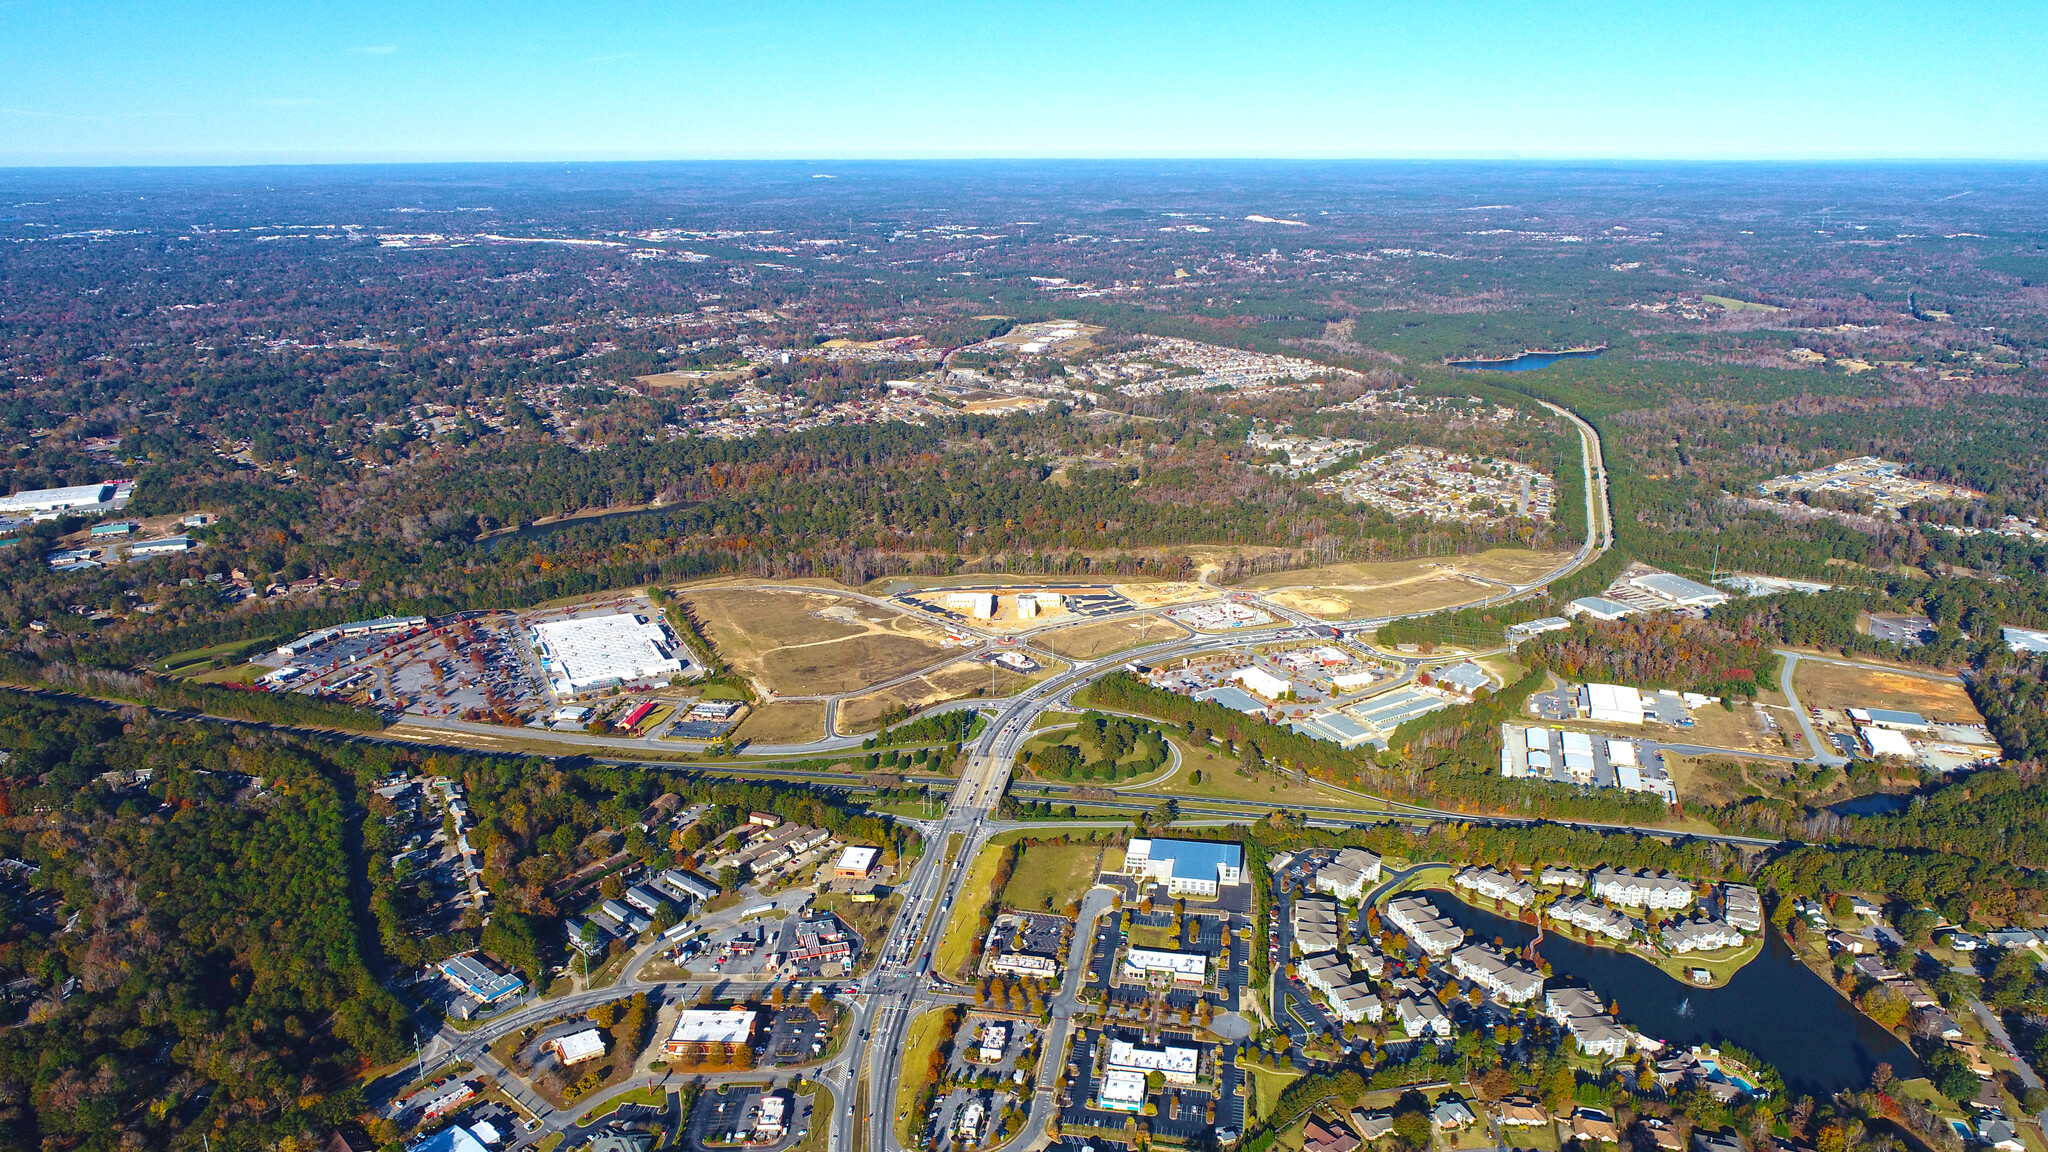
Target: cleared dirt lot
785,723
1376,589
809,643
955,681
1842,686
1088,641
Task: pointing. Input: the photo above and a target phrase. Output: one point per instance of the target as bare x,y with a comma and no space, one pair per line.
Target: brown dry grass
798,722
1087,641
804,643
956,681
1842,686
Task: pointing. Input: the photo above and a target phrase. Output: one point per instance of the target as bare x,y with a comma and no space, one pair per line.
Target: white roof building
1260,682
1886,741
602,651
712,1026
1613,704
1177,1064
1347,875
1121,1090
56,499
577,1047
1184,967
1678,591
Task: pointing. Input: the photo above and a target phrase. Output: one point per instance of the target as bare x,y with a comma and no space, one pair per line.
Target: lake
1875,804
1775,1006
1527,361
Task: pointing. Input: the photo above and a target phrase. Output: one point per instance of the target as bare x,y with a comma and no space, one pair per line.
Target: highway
864,1075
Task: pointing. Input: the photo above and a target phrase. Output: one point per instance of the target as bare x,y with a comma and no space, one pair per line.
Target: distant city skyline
235,82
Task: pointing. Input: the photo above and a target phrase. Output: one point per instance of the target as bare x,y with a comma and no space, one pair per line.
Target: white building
1315,924
1560,876
1177,1064
1027,607
1184,967
1641,889
1422,923
603,651
1612,704
1497,974
1025,964
1346,877
1496,886
1191,867
1422,1016
577,1047
994,1038
710,1026
1121,1091
1588,916
80,496
1742,907
1700,936
1260,682
1679,592
1598,607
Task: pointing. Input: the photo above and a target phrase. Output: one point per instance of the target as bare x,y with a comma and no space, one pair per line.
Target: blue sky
225,81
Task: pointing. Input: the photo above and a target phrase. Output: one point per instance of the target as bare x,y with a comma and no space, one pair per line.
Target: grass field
919,1042
1220,781
1082,738
184,661
1841,686
1267,1084
956,947
232,674
1376,589
812,643
1734,305
1088,641
798,722
1051,876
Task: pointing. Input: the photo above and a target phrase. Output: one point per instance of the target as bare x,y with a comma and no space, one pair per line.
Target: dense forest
1659,650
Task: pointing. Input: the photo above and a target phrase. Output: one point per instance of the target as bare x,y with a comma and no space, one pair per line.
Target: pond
1875,804
1528,361
1775,1006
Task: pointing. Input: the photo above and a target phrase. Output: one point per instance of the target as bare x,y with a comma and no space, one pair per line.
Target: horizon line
44,162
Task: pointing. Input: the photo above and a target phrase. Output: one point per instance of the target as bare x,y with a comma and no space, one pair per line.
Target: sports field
1838,686
810,644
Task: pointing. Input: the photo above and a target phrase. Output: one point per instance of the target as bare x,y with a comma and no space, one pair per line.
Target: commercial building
1465,679
1260,682
1177,1064
710,1026
1891,719
1186,867
1678,591
477,975
163,546
1598,607
1024,964
1534,628
855,863
994,1038
688,885
576,1047
1611,704
1886,742
1191,968
603,651
78,498
1120,1090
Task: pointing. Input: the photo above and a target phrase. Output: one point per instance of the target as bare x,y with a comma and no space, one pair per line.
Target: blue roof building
1191,867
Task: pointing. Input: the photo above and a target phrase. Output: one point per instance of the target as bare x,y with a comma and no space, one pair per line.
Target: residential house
1590,1125
1320,1135
1452,1114
1371,1125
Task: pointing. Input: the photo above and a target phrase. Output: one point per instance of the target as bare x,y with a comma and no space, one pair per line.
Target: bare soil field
1399,586
798,722
804,643
1742,731
955,681
1163,594
1088,641
1841,686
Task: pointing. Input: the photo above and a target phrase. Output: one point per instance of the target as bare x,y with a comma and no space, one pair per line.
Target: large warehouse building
604,651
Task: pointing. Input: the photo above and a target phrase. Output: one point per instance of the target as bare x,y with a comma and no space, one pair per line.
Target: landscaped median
925,1049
